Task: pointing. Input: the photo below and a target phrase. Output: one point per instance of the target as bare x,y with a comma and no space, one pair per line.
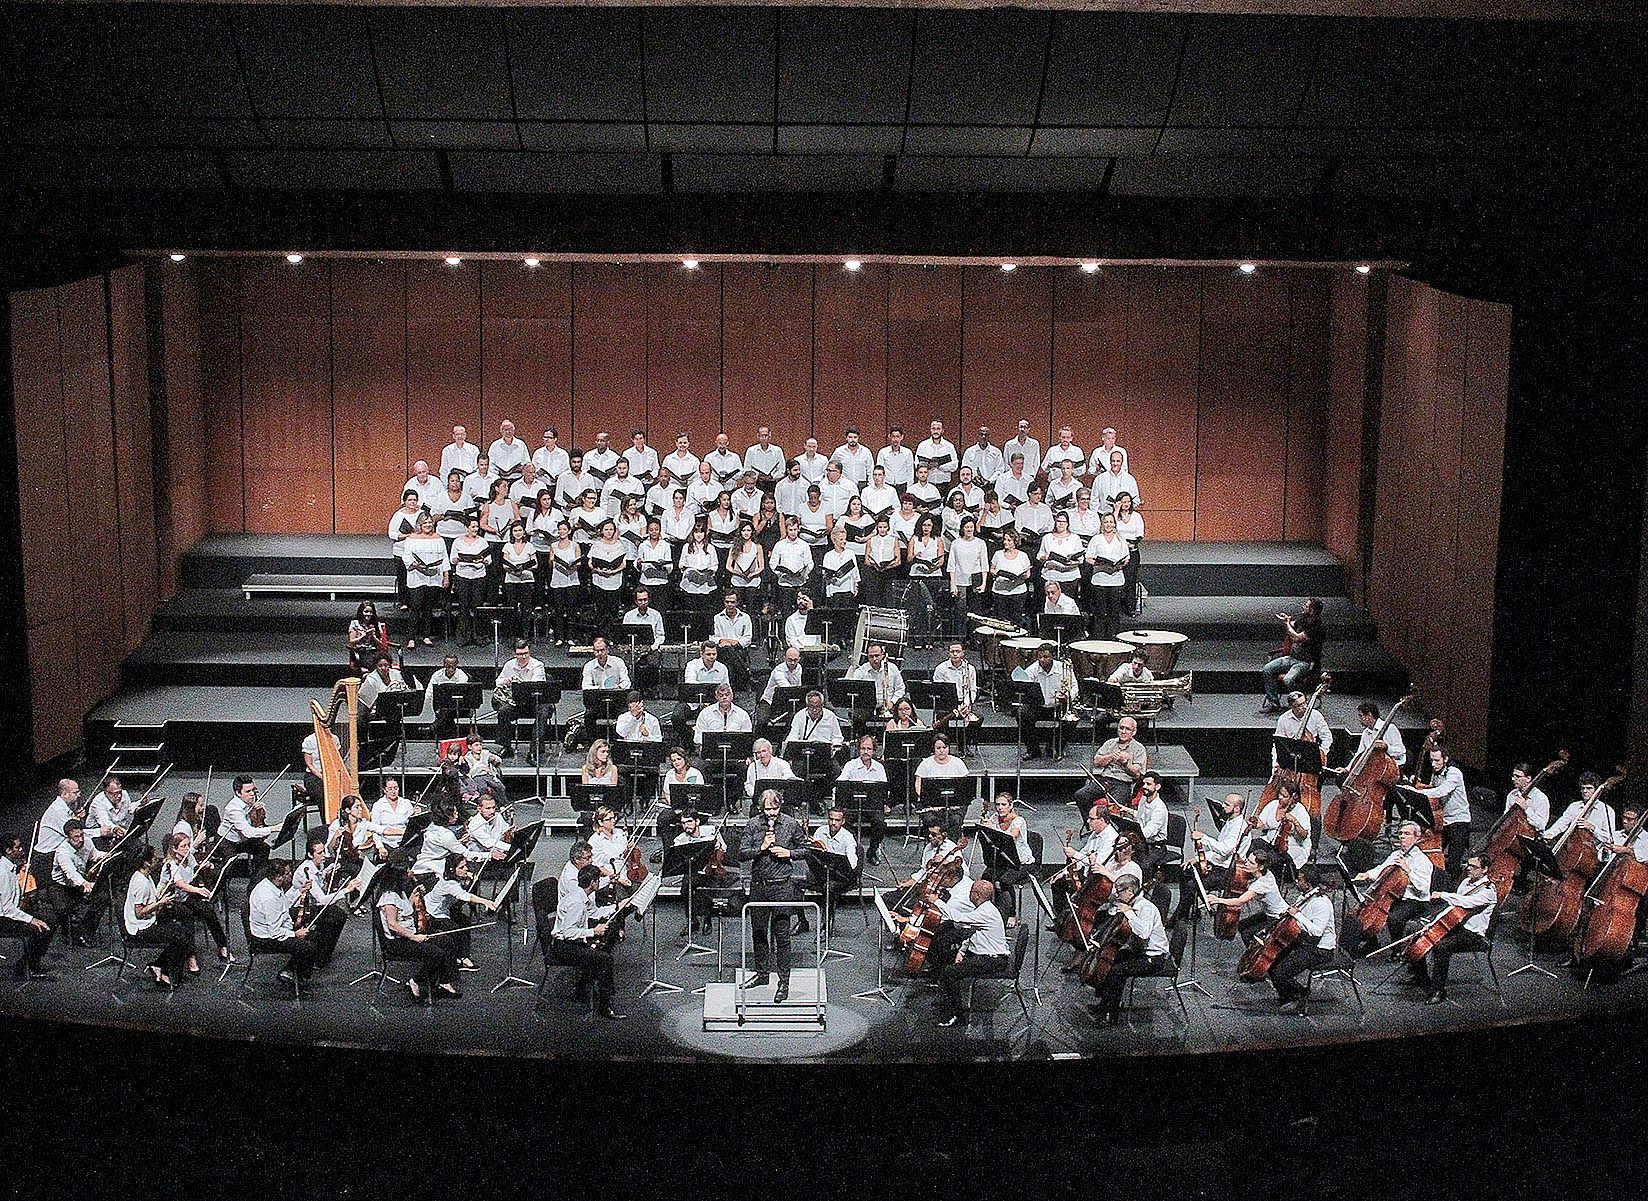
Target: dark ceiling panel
769,173
364,170
313,62
1242,72
999,174
1379,72
710,64
101,169
488,171
1111,69
453,135
978,68
346,134
1187,175
843,65
1092,142
710,138
967,139
1386,177
575,64
93,131
1504,74
448,63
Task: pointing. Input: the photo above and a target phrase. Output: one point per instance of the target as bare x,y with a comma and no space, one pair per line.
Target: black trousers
34,942
70,912
198,911
1401,913
507,715
435,960
1011,608
770,929
1434,972
1109,607
328,927
1036,742
466,594
257,849
1290,968
459,943
300,952
952,975
1456,845
594,964
421,602
1129,963
175,940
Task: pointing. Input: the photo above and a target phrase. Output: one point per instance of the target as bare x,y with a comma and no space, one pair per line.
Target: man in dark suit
771,844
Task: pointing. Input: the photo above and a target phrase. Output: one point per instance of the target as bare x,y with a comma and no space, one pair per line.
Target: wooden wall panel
1007,347
1347,341
369,401
443,357
1163,359
133,450
54,686
609,363
767,352
180,511
220,299
683,354
1437,585
1241,430
44,502
924,351
1089,371
286,397
526,349
1306,413
849,356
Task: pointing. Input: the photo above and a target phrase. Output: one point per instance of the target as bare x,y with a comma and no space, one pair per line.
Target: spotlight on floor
294,259
1248,268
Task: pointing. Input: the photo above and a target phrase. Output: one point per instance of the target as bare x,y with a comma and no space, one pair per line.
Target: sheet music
886,914
642,898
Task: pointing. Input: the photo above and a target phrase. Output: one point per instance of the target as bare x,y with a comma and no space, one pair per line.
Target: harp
340,778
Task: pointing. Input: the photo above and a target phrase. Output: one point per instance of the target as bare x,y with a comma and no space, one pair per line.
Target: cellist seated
1261,860
1314,947
1079,861
1477,896
1404,909
1143,954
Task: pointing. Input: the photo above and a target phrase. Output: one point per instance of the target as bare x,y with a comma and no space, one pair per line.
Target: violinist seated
481,773
440,839
1118,763
273,930
1477,896
1587,813
488,831
1316,943
349,834
443,901
109,815
318,908
390,814
192,903
983,950
240,833
1221,849
1003,874
694,828
1406,908
834,836
1300,719
15,921
1269,822
1096,851
1145,952
71,884
580,925
149,921
400,920
1261,860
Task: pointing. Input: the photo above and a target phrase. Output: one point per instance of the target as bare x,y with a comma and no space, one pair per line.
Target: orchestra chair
1490,975
1171,869
1341,967
252,947
546,899
1011,975
127,955
1170,973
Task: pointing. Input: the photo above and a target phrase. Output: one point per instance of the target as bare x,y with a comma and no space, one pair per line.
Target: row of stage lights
1089,268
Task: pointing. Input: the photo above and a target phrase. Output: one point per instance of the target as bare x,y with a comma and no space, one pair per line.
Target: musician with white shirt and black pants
580,924
984,952
269,908
1477,895
1313,949
1144,954
149,922
522,668
15,921
1409,907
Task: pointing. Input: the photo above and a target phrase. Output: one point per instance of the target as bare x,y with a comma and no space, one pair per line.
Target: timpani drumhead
1019,652
1096,658
1161,647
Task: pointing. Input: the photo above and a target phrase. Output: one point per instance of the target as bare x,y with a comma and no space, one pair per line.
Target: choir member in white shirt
1107,554
1315,945
835,490
1144,954
733,632
620,487
1061,452
813,465
522,667
1535,804
507,452
968,563
1063,488
1100,458
765,766
725,465
551,459
642,459
403,524
460,454
884,674
397,917
1478,896
879,497
524,492
467,568
1409,907
477,485
574,482
790,492
273,931
1448,786
149,921
16,922
864,768
577,938
1013,485
897,460
938,455
746,498
855,458
764,458
680,467
1114,482
601,459
1023,444
985,461
792,565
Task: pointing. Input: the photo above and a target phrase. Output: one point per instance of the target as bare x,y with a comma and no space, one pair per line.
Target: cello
1358,811
1388,886
1310,783
1101,955
943,872
1227,918
1555,906
1261,956
1504,850
1444,923
1430,838
1605,938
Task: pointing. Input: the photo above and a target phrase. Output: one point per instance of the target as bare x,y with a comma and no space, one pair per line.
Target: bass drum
1161,648
1096,658
1019,652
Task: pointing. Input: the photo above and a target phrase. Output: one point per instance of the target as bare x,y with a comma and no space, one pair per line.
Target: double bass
1227,918
1310,783
1261,956
1358,811
1554,907
1504,850
1604,940
1430,839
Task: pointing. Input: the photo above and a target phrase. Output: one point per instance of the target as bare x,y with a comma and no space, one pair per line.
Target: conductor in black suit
770,845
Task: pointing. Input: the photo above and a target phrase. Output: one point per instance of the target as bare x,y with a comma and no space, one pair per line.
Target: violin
1261,956
1201,852
1359,808
1504,850
1310,785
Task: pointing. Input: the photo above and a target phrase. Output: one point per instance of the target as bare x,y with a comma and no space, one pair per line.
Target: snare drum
1161,647
1019,652
1096,658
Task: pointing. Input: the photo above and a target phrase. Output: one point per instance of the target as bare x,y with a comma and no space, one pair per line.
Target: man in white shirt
1048,676
524,491
1315,946
1099,460
1057,601
635,724
855,458
1113,482
642,460
1367,718
1134,671
1146,953
477,485
15,921
816,724
1063,451
796,634
884,673
706,669
459,454
507,452
790,492
963,677
619,488
110,814
764,458
606,671
1013,485
270,912
600,460
49,831
384,677
880,498
724,461
572,483
1477,895
972,496
525,668
239,833
733,633
837,840
836,490
1023,444
446,720
746,501
704,490
580,925
1589,813
720,718
1119,763
680,466
812,464
551,460
765,766
428,487
864,768
1409,907
644,614
938,455
786,674
897,460
72,883
1293,724
983,952
1533,801
984,460
1448,786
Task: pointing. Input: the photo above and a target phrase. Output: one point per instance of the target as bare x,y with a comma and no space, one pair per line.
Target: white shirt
429,490
795,631
69,866
387,815
969,561
841,842
643,463
1065,604
1049,680
1124,675
939,458
856,465
1419,871
607,851
1029,448
879,500
835,496
570,487
140,890
825,728
438,842
1013,490
11,893
506,457
271,912
1146,923
373,685
1109,559
1449,788
550,463
813,467
1480,899
1289,726
792,561
1539,807
463,458
613,675
931,769
645,728
778,769
1269,894
963,679
532,673
713,721
1058,454
1099,461
737,628
237,827
600,463
789,495
889,681
858,772
1394,745
1222,846
1316,920
989,934
986,461
781,676
1152,816
1298,847
899,462
1601,818
459,676
577,914
1107,487
768,461
698,672
50,835
488,835
102,813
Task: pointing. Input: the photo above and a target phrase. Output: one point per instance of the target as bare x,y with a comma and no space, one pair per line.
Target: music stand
288,827
1062,629
601,709
638,636
816,768
906,748
530,698
695,696
459,699
1542,860
584,799
998,847
1297,755
638,761
832,867
505,913
727,751
949,793
686,861
879,992
396,708
855,798
1411,805
786,700
857,696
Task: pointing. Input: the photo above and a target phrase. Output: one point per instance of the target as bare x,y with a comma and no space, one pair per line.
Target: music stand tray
696,694
1540,855
999,847
907,746
858,797
949,792
1296,754
786,700
586,798
638,635
459,698
727,750
688,798
1062,628
1411,805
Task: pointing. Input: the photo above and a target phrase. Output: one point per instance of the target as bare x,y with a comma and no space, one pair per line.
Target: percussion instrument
889,627
1161,647
1019,652
989,642
1096,658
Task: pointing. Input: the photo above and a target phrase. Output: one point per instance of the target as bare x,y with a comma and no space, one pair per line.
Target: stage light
1248,268
1363,269
177,258
1009,266
852,264
453,260
690,264
531,262
1090,268
294,259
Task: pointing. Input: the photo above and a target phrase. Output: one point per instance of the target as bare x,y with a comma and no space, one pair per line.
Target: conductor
769,845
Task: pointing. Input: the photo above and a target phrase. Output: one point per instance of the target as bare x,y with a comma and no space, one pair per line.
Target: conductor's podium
757,1013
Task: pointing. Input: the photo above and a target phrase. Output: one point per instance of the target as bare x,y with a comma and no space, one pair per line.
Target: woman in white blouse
1084,518
859,525
969,571
1061,555
679,770
608,558
904,521
598,766
496,516
520,572
952,515
678,520
587,518
655,558
840,569
928,559
882,555
1130,527
1010,580
426,576
1032,520
468,565
1107,555
540,529
722,523
565,586
699,571
746,564
403,523
993,520
816,518
632,525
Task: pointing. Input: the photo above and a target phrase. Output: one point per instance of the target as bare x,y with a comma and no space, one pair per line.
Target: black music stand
686,861
837,874
786,700
998,847
1541,859
584,799
1062,628
1411,805
1298,755
794,796
906,748
638,761
949,794
517,869
531,698
458,699
858,697
638,637
696,695
724,754
856,799
688,798
1027,699
396,708
601,709
814,765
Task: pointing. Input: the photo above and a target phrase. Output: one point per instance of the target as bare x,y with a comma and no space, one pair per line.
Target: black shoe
874,857
755,980
612,1015
581,993
803,926
782,992
656,857
954,1020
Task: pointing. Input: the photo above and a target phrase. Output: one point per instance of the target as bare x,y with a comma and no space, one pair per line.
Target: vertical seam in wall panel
1196,439
332,386
114,441
240,383
812,348
721,340
406,358
572,351
961,354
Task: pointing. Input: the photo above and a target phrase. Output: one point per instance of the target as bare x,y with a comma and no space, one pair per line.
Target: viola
1309,782
1358,810
1504,850
1444,923
1201,853
420,911
1374,911
1555,906
1261,956
1605,938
